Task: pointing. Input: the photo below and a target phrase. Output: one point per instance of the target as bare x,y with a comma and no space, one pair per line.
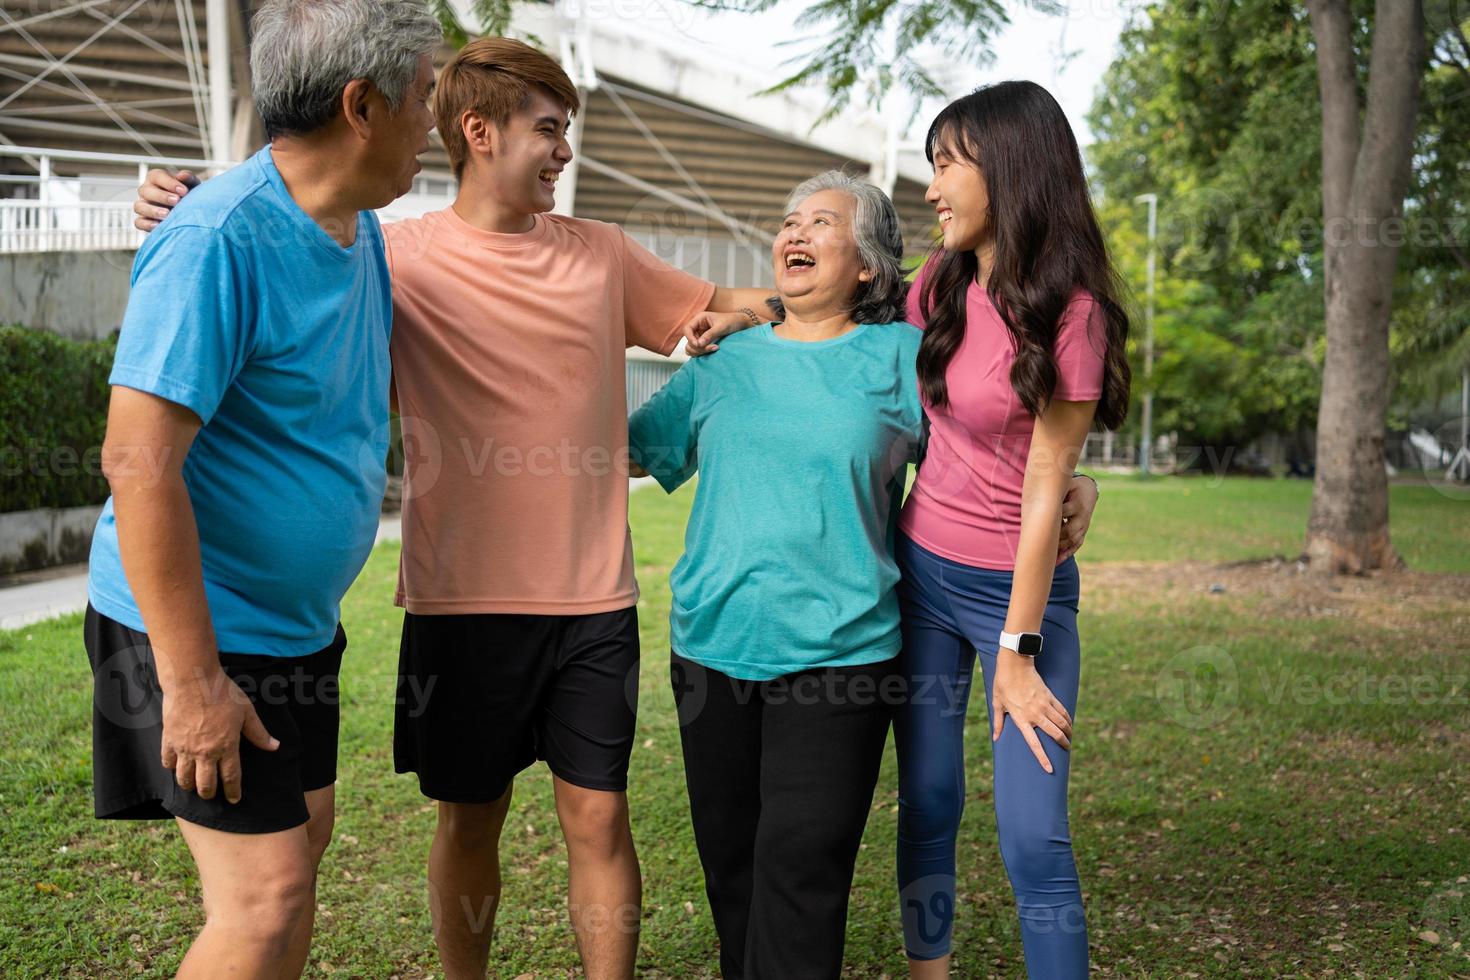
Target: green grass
1229,818
1237,518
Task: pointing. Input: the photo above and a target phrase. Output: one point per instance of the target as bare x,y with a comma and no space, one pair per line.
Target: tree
1367,145
1212,106
1366,159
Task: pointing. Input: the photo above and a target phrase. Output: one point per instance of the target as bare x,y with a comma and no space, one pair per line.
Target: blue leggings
950,612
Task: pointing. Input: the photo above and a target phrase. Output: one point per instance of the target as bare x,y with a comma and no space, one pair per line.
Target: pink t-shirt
966,502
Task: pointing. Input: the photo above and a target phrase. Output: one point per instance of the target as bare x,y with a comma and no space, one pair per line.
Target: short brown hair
493,76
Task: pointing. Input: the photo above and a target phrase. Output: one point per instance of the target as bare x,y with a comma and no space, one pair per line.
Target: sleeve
188,329
1080,348
911,304
657,298
662,437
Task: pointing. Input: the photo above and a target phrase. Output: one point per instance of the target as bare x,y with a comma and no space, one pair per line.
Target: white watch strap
1012,641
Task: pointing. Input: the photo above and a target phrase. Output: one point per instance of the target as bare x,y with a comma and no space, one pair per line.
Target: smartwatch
1026,644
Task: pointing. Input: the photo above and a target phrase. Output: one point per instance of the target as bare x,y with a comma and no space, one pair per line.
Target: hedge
53,413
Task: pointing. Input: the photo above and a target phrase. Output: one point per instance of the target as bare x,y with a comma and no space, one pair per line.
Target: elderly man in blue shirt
245,442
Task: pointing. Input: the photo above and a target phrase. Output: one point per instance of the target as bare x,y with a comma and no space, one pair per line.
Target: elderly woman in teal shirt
784,623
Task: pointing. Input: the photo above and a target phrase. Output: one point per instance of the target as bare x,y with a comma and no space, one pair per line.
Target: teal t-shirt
802,451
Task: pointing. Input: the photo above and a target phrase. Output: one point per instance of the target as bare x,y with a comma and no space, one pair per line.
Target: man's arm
726,300
204,712
729,311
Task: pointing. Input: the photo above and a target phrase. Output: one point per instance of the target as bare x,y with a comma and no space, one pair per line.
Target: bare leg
256,889
935,969
605,890
321,804
464,884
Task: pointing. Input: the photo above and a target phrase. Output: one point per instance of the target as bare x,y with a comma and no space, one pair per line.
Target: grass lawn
1269,780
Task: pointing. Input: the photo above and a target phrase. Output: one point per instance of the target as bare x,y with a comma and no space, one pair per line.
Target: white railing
30,226
94,212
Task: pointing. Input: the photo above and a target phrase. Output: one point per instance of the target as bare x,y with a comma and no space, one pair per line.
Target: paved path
21,605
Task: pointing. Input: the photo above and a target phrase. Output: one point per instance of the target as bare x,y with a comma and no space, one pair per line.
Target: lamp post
1152,200
1460,465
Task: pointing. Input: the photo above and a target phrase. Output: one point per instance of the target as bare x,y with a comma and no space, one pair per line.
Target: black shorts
295,697
483,696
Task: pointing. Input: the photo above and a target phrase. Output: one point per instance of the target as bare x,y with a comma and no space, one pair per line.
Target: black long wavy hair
1047,246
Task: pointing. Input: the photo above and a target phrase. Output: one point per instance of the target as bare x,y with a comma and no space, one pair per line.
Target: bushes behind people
53,413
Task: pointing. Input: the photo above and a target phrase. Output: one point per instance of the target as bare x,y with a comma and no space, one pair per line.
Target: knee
1036,853
268,911
472,826
319,835
594,821
930,808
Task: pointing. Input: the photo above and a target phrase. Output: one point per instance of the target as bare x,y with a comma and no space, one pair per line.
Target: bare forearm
738,300
1036,557
158,542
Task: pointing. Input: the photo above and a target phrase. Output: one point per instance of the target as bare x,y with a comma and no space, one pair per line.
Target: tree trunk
1365,174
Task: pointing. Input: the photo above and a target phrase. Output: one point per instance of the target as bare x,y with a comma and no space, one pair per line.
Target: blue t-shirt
802,450
246,312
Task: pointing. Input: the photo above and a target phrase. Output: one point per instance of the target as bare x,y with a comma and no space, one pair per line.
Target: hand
158,194
203,720
1020,692
703,331
1077,510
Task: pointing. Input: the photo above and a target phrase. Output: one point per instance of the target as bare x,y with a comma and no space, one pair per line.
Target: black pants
781,776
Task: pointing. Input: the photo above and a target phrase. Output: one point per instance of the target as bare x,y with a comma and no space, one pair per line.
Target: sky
1031,48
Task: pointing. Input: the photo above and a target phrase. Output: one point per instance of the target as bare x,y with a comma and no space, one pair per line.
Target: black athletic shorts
295,697
483,696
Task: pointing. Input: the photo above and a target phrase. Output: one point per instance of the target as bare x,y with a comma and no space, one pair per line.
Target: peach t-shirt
508,362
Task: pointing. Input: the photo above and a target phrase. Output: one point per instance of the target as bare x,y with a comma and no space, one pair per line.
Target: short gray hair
304,52
879,241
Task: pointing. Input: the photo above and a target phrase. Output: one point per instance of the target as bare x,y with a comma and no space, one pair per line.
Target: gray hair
304,52
879,242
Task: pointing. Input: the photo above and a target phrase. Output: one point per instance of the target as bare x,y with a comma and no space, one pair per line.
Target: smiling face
960,197
815,256
522,160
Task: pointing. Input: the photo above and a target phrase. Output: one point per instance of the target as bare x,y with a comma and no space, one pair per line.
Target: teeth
550,175
799,258
946,218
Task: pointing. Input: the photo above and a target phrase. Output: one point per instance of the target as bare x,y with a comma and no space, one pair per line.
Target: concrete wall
80,295
42,538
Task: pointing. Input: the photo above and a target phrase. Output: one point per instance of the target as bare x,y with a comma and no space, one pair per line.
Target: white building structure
673,142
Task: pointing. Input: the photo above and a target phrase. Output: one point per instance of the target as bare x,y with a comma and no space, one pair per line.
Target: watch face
1030,644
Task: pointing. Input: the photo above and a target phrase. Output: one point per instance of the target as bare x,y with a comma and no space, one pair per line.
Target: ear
865,275
357,98
478,133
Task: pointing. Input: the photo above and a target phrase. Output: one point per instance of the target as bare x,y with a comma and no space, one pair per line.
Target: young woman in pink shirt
1023,352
